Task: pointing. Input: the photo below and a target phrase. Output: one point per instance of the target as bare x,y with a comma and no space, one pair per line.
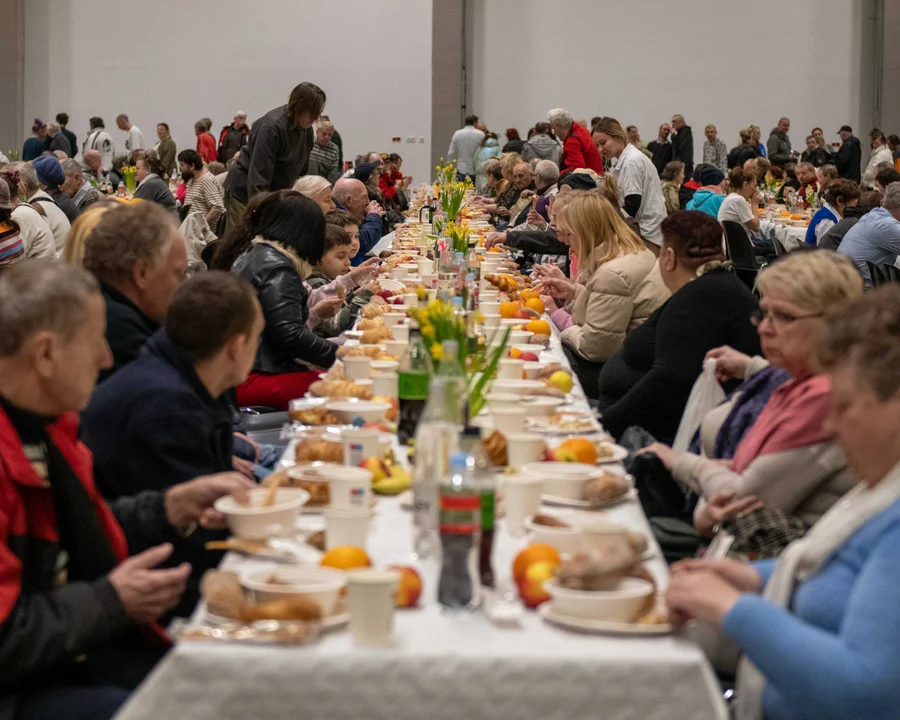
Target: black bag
763,533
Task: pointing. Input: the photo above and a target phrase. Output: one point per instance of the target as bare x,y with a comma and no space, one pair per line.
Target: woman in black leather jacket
289,237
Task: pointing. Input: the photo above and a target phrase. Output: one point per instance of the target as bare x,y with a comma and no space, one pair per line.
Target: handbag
705,395
757,535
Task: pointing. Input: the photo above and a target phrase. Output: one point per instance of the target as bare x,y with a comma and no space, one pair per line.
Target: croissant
504,284
370,324
369,351
294,608
374,309
495,447
375,335
605,487
309,451
223,594
340,389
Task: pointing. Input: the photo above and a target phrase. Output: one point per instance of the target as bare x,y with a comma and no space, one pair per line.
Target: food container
323,585
620,601
515,386
532,369
369,410
255,521
541,405
563,479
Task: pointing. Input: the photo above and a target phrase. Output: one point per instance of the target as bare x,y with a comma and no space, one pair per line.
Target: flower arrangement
13,155
452,198
438,322
446,174
772,184
810,196
129,178
459,236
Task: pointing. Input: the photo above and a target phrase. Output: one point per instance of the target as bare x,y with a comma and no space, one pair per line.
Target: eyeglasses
778,318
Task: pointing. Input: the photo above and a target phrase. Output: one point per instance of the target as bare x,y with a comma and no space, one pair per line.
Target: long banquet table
442,666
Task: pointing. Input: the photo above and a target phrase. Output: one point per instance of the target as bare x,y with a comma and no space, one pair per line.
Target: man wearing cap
848,158
51,177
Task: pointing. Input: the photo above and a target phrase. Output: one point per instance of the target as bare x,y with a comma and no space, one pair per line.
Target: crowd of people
130,333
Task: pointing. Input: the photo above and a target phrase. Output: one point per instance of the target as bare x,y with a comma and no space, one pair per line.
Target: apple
524,314
377,467
561,454
409,589
396,300
532,586
377,426
529,357
385,294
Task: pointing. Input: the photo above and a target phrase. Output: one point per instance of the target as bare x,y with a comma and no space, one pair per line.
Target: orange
581,449
514,353
508,309
538,327
539,552
346,557
535,304
528,293
494,249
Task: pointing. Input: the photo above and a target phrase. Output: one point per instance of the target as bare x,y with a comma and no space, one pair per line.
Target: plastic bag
705,395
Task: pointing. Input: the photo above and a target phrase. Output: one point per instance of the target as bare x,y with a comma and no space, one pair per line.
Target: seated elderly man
92,166
166,417
138,255
533,215
875,238
351,195
76,186
51,177
325,157
44,205
77,615
509,200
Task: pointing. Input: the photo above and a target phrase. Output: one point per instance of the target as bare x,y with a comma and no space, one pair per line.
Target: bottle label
412,386
488,498
460,514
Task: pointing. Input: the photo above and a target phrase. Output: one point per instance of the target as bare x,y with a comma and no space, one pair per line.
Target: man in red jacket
77,615
578,149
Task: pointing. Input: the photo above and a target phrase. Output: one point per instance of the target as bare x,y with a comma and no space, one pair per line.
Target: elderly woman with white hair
578,149
316,188
819,628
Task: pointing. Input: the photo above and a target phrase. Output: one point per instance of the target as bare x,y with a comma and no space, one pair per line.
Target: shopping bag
705,395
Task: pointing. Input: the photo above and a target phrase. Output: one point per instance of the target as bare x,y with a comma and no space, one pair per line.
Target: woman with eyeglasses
788,458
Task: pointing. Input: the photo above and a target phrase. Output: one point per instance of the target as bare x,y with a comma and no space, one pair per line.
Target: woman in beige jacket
622,285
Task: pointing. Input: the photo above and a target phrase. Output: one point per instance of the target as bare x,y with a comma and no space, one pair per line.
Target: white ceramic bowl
621,601
257,522
542,404
368,410
532,369
515,386
562,479
323,585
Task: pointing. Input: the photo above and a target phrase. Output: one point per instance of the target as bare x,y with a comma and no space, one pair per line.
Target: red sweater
206,146
387,187
579,151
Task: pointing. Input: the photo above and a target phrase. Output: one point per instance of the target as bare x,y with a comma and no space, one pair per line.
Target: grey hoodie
542,147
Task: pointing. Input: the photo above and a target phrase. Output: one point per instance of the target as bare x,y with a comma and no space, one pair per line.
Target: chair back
877,275
738,246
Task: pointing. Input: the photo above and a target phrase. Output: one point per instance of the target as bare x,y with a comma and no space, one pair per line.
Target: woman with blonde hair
317,189
84,225
621,289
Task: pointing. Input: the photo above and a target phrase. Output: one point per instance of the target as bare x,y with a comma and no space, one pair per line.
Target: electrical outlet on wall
422,140
410,139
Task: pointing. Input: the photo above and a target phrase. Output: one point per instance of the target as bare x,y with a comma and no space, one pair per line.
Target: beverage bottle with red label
460,529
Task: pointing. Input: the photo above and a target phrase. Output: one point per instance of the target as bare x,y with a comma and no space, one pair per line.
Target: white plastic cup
510,369
429,281
370,599
360,444
491,321
348,487
524,448
394,318
521,499
426,267
357,368
400,332
385,384
492,295
398,273
432,292
346,526
491,307
508,420
396,348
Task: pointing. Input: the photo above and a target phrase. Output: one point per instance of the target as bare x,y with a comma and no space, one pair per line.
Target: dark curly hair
695,237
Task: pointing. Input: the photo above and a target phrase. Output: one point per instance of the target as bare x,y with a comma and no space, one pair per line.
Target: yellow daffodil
437,352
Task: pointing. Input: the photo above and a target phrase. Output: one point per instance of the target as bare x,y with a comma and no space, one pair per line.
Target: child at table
349,224
335,262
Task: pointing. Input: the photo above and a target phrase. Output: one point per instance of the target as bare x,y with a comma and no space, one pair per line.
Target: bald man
350,194
93,168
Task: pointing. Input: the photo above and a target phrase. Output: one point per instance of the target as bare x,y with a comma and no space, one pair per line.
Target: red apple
529,357
385,294
377,467
532,586
409,589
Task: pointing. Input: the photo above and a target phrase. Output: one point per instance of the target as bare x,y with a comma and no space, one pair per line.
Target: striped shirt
204,194
326,159
11,247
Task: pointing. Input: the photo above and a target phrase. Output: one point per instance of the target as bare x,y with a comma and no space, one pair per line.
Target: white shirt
637,175
37,237
99,139
134,139
56,219
825,224
463,146
735,208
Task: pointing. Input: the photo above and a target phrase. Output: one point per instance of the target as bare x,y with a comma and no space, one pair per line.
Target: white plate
619,454
566,502
602,627
392,285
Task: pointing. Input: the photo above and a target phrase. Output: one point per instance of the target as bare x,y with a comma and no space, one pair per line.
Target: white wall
729,63
157,62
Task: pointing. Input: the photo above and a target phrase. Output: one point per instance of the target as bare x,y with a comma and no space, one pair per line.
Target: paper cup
508,420
398,273
510,369
491,321
393,318
370,600
396,348
384,384
429,281
521,499
490,307
524,448
360,444
400,332
533,369
349,487
346,526
357,368
432,292
426,267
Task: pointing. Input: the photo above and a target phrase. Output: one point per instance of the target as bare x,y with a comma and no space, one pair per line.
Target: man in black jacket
848,158
139,258
277,152
166,417
683,144
77,616
661,149
233,137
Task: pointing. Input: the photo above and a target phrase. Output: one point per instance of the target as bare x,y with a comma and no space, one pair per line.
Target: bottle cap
459,460
456,300
470,276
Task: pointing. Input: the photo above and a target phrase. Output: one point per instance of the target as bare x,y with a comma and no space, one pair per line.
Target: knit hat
577,181
49,171
5,203
711,176
364,171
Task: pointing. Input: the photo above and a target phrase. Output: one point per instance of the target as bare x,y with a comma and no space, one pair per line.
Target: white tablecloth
790,236
442,666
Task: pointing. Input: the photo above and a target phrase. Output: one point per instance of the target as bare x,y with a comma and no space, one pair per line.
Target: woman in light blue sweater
820,627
